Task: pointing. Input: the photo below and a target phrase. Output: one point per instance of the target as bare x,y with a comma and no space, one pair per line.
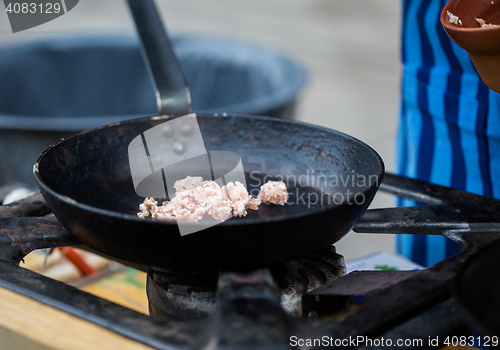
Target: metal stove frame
248,313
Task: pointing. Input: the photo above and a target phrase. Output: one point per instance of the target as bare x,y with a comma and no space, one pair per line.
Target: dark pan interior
86,179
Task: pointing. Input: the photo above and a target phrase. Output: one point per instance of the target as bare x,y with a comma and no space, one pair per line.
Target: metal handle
432,219
426,192
172,91
459,215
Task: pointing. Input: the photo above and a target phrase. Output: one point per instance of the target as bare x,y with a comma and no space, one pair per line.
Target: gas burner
191,295
259,309
181,295
305,276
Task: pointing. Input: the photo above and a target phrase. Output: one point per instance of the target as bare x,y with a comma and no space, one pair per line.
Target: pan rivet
168,131
186,130
178,147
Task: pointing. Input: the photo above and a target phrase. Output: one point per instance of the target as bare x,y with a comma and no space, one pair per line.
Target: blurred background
350,49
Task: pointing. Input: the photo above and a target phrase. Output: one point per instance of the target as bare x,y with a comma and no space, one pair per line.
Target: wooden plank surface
126,288
26,324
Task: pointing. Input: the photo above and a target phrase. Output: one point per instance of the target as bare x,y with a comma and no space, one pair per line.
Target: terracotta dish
482,43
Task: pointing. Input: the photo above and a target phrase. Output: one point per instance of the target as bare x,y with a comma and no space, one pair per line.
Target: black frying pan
86,181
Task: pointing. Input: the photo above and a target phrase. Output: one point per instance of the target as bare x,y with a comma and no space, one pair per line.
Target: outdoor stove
266,308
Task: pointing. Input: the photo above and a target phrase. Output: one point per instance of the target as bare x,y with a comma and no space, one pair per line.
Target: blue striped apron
449,128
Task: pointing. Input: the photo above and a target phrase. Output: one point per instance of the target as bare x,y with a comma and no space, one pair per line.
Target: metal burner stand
248,313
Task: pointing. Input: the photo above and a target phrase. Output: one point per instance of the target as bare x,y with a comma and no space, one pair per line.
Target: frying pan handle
172,91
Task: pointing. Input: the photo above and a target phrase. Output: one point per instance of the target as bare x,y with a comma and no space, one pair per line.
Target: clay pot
482,43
